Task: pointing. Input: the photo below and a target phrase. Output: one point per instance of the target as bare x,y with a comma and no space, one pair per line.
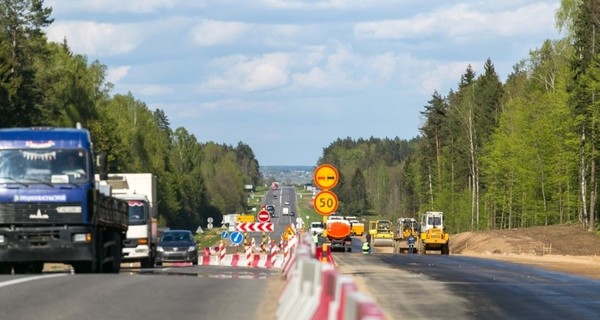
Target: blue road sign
224,234
237,237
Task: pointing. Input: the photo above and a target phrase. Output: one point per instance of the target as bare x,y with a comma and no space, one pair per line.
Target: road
406,287
195,292
455,287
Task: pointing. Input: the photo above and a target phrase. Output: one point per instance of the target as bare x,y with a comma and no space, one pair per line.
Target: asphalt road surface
195,292
455,287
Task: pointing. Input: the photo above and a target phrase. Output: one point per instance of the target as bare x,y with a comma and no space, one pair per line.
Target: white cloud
462,21
328,4
311,69
442,76
211,32
112,6
250,74
117,73
98,39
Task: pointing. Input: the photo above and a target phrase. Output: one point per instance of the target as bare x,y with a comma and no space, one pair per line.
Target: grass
208,238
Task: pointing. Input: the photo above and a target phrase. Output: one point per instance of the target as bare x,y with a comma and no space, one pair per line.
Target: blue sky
289,77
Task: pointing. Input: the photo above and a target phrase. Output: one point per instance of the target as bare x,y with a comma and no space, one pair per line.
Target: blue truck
51,208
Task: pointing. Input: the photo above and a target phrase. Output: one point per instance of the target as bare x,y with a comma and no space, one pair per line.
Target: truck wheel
82,267
146,263
446,249
5,268
114,252
34,267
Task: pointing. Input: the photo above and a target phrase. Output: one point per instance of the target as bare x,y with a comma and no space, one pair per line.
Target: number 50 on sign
325,202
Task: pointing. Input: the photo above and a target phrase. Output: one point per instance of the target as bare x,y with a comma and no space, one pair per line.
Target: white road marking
17,281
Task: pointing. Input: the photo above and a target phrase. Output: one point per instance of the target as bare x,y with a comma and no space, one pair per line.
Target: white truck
139,190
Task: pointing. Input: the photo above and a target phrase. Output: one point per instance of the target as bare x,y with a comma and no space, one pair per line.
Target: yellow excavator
381,233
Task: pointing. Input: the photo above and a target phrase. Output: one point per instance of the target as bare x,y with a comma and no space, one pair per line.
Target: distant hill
296,175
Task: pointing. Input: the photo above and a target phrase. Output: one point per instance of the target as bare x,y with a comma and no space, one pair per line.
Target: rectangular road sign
245,218
254,227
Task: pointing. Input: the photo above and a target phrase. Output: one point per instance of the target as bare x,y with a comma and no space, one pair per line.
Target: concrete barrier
362,307
344,285
328,279
315,290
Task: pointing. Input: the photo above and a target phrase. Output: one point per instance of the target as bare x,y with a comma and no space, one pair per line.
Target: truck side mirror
101,164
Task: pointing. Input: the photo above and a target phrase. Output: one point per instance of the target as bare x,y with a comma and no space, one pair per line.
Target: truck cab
52,209
139,191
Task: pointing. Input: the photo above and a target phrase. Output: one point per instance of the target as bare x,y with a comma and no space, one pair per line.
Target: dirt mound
570,240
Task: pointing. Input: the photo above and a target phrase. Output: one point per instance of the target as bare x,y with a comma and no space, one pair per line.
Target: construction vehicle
338,232
404,229
381,233
433,236
358,228
139,190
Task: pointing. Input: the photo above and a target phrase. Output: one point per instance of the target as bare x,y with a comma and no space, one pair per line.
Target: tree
21,24
585,29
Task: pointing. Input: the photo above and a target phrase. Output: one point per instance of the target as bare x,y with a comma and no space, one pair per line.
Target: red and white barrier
315,290
243,260
221,252
361,306
248,256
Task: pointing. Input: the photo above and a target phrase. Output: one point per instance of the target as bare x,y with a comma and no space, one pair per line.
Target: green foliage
45,83
22,43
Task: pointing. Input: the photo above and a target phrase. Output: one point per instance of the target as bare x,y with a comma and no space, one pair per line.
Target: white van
316,227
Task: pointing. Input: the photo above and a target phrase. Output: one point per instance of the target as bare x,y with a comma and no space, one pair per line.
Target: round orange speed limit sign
325,202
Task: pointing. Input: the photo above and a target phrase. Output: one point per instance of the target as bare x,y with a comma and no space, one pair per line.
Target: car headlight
192,248
160,249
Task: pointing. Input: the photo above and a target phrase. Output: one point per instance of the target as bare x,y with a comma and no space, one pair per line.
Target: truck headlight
160,249
82,237
192,248
2,239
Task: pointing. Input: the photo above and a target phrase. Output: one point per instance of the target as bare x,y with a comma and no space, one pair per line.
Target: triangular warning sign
289,231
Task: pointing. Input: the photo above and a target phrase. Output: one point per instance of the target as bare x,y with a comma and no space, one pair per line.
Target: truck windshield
43,166
137,212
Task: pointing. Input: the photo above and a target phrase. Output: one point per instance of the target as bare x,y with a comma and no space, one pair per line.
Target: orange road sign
326,176
325,202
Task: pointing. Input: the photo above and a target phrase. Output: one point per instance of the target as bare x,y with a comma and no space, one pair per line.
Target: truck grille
38,238
37,213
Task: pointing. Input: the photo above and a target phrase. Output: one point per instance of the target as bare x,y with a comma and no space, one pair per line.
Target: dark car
271,210
177,246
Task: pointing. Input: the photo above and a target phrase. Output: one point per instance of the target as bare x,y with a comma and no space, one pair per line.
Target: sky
290,77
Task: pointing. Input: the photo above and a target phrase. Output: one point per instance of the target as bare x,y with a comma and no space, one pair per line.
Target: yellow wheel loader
381,233
433,235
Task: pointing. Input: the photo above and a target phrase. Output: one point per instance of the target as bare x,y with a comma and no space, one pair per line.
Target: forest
493,154
46,84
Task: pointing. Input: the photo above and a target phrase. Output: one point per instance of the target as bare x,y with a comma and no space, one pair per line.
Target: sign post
325,202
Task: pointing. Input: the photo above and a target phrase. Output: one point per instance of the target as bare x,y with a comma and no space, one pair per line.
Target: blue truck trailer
51,208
